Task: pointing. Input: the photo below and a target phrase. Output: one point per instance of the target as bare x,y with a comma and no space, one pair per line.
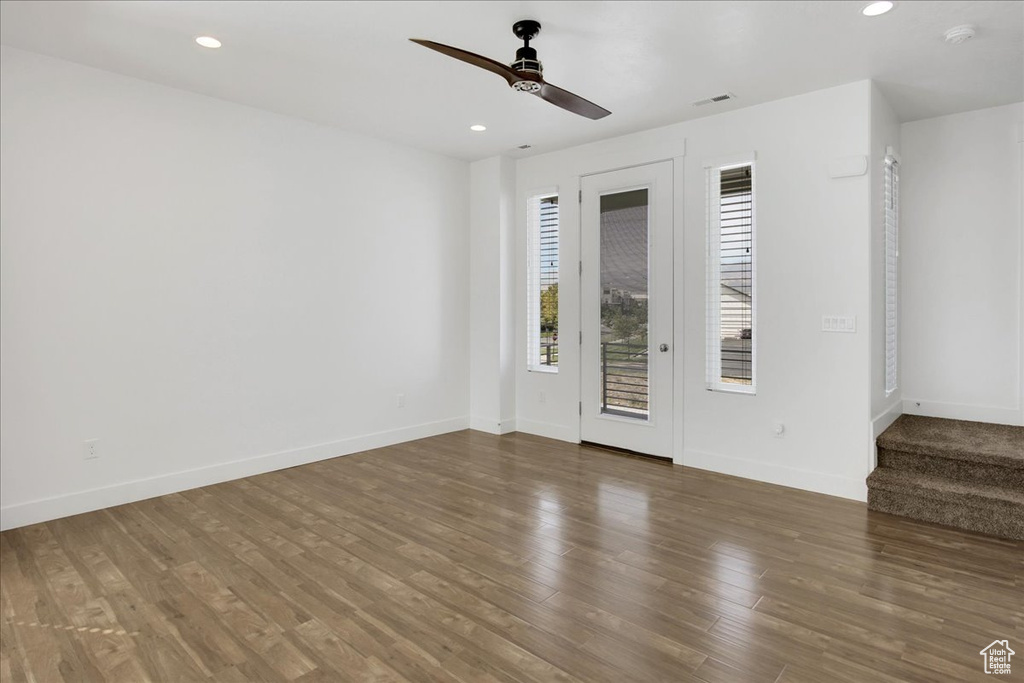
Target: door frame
667,421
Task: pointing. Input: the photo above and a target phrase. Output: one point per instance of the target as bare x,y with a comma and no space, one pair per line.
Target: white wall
961,259
885,133
812,256
492,296
813,259
211,290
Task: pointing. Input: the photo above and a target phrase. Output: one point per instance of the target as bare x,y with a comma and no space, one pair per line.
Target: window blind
892,213
730,285
542,283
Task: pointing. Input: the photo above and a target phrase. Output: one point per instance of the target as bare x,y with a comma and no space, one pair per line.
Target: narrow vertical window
892,253
542,278
731,328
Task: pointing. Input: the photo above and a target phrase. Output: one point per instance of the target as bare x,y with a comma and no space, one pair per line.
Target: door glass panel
624,270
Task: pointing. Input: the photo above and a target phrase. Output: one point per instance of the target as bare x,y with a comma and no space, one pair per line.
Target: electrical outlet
778,430
543,397
400,400
91,449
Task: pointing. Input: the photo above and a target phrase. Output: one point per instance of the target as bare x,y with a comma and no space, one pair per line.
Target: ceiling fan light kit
525,74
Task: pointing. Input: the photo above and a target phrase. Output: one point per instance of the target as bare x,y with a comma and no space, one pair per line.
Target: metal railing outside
736,360
549,353
624,374
624,382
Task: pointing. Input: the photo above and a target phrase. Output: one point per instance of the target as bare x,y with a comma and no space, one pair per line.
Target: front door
626,280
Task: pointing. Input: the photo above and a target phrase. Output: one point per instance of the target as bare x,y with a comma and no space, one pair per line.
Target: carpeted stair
968,475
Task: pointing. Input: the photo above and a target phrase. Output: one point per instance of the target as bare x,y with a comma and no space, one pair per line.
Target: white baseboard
855,489
43,510
551,431
491,426
961,411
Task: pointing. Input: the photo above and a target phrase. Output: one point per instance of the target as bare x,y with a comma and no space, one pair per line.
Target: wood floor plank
470,558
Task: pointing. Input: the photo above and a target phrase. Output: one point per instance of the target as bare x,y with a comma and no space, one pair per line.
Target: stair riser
1005,520
954,470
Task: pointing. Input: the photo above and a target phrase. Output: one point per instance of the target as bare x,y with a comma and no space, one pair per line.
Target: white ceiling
348,64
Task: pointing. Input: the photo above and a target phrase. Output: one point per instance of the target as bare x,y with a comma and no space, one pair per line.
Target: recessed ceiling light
208,41
877,8
478,128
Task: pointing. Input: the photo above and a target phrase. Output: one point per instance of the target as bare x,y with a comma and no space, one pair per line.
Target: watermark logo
997,657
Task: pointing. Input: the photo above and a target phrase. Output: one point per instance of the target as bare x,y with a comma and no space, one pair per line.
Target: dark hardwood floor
468,557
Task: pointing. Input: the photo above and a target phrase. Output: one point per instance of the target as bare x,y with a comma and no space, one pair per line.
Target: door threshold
625,451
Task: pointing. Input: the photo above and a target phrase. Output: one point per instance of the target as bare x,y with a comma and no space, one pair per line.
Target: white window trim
891,218
533,198
713,319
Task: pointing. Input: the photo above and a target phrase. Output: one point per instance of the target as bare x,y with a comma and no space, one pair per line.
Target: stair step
953,468
942,487
994,510
980,442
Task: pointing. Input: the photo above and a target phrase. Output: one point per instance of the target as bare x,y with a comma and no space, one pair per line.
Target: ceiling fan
525,73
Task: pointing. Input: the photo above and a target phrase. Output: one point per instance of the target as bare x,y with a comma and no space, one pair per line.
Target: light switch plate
838,323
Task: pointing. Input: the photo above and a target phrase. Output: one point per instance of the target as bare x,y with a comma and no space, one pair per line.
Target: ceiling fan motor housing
526,61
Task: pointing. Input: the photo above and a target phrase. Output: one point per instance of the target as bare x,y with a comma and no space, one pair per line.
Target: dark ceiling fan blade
502,70
569,101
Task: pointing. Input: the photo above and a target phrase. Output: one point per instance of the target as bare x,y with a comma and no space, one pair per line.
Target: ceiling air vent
717,98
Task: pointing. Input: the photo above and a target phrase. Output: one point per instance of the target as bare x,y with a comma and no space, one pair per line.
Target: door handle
663,348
